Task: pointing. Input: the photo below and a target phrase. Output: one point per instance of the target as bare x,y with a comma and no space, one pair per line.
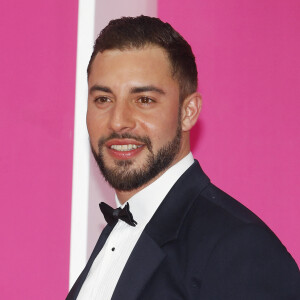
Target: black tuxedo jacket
202,244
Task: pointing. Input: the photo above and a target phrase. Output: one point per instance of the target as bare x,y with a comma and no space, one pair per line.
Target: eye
102,100
145,100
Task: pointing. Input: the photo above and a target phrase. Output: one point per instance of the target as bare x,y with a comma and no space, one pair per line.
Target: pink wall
247,139
38,55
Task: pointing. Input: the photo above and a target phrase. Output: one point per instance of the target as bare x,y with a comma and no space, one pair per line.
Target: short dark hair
138,32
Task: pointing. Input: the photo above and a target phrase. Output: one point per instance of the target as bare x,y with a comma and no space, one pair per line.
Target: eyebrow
147,88
134,90
100,88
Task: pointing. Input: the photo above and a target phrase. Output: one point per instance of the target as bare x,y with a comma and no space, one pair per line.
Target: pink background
247,138
38,55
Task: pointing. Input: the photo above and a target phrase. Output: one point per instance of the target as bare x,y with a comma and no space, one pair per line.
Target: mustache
143,139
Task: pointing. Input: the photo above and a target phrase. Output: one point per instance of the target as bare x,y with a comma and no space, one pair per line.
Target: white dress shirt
109,264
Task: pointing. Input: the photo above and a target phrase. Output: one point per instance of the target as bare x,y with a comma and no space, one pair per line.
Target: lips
124,148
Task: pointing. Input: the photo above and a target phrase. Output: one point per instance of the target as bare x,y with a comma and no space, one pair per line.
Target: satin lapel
166,223
163,227
143,261
80,280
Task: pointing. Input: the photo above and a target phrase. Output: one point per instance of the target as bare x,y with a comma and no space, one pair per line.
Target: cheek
90,123
161,127
94,129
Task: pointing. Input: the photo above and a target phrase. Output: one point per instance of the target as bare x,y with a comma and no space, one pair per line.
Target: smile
125,147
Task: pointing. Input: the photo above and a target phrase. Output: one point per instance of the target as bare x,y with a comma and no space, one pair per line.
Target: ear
190,111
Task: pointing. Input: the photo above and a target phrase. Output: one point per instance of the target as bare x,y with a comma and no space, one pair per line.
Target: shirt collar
144,203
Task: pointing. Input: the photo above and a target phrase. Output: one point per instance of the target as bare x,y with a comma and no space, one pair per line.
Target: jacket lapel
143,261
163,227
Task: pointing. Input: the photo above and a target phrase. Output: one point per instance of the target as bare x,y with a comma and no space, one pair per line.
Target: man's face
133,116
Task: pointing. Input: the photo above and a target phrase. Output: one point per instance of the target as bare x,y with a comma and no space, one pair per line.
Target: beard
122,177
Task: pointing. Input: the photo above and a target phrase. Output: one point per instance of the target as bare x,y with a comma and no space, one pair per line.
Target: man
183,238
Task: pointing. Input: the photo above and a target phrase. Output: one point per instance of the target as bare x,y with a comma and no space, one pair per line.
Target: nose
121,118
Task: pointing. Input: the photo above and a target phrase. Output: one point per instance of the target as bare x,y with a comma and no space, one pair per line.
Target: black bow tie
111,215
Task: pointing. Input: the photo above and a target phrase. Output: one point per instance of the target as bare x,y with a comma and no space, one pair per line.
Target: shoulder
234,248
225,221
218,214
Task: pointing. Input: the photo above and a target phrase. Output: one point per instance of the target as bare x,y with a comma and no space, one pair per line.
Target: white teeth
124,147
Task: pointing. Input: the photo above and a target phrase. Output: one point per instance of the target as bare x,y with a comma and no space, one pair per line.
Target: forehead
148,63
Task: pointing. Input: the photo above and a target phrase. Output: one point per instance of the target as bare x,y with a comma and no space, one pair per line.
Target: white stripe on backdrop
88,186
